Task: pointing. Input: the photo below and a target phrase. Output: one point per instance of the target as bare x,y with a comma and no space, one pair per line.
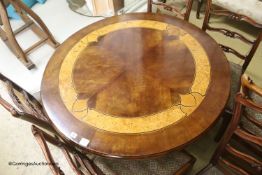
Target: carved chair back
240,150
22,104
181,8
79,163
211,10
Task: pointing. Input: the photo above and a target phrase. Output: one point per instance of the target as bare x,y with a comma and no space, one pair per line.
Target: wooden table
136,85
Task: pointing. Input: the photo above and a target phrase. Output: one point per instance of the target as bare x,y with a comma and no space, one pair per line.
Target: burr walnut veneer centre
136,85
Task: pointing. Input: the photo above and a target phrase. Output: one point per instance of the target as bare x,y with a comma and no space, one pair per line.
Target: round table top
136,85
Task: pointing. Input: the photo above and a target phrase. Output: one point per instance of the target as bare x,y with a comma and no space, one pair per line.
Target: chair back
252,120
181,8
22,104
212,11
240,150
79,163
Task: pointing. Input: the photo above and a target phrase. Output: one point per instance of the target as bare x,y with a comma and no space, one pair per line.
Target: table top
136,85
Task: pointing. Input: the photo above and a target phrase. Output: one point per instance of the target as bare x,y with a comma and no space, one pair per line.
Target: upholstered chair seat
213,171
235,83
249,8
165,165
173,163
246,124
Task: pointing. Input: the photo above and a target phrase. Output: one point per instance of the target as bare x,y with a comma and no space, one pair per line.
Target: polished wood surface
140,86
136,85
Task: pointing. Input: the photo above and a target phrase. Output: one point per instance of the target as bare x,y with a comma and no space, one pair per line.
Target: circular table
136,85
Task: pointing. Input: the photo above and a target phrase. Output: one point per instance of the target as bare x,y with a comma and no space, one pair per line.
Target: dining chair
181,8
79,163
179,162
240,150
232,10
22,104
36,25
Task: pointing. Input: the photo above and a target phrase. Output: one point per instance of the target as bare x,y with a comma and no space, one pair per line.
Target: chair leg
226,118
9,38
149,6
199,5
20,5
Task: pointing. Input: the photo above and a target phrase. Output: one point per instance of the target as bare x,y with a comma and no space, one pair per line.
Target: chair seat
213,170
249,126
165,165
235,84
249,8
